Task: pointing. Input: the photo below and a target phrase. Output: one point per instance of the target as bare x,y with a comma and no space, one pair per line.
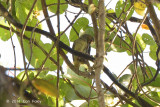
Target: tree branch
98,64
45,12
154,18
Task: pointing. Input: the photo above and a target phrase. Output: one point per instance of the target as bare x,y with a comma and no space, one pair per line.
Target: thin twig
58,49
21,38
14,51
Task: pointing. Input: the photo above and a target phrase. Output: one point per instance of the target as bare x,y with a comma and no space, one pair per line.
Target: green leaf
69,93
109,20
157,5
5,34
127,39
118,45
85,90
65,40
140,42
139,74
31,75
23,7
38,55
125,78
148,39
120,8
53,6
89,31
22,10
66,91
45,100
154,96
51,101
109,98
150,72
81,23
152,53
13,11
3,2
77,79
81,84
92,103
134,85
126,105
156,82
95,2
45,87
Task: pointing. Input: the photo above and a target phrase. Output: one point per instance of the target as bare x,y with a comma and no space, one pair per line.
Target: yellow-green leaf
140,7
45,87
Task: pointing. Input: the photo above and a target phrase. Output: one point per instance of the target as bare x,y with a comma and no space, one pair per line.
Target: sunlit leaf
85,90
89,31
78,79
148,39
118,44
65,40
157,5
152,53
125,78
95,2
81,23
140,42
139,7
30,74
45,87
38,56
5,34
91,8
22,8
121,6
154,83
53,6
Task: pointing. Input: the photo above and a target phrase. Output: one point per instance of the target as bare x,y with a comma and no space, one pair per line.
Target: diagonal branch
154,18
45,12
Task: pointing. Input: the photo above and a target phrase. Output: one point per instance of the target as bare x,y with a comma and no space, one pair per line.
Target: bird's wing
80,45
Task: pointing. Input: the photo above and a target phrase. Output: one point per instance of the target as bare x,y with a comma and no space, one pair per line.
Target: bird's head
88,37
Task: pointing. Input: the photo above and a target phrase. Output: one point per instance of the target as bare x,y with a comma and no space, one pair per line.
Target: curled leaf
91,9
144,26
45,87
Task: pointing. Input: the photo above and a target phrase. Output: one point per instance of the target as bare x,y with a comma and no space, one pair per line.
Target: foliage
72,86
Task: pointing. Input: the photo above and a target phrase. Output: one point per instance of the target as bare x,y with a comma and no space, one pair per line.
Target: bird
82,44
